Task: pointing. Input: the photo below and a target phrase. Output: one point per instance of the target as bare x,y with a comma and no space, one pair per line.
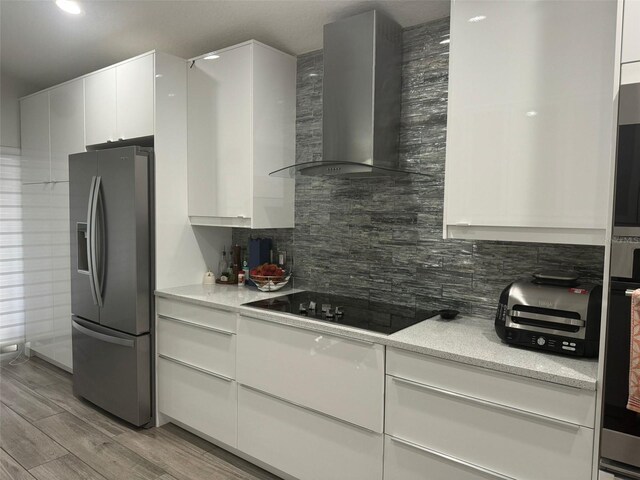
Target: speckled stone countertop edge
580,380
196,301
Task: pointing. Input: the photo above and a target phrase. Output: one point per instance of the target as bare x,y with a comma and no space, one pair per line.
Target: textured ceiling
42,46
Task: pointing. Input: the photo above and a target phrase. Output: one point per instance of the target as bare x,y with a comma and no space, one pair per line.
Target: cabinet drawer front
305,444
340,377
404,461
207,349
222,320
200,401
573,405
491,436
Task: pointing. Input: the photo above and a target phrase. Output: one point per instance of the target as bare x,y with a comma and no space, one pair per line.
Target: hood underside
340,169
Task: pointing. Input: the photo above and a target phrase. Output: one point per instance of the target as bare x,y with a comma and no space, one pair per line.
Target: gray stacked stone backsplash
382,238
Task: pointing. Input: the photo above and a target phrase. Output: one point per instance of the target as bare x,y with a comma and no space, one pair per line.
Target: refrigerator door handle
101,242
102,337
93,238
90,235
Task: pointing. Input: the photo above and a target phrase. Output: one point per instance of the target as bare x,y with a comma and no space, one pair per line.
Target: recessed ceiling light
477,18
531,113
213,56
69,6
445,41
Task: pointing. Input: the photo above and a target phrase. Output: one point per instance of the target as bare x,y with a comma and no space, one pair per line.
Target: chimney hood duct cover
360,99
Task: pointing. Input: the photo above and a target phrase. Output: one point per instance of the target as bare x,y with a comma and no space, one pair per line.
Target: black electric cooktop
368,315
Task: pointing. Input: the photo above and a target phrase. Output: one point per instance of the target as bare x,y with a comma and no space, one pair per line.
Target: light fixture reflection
477,18
213,56
443,42
69,6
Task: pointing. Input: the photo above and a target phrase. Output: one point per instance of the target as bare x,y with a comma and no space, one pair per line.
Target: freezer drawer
113,370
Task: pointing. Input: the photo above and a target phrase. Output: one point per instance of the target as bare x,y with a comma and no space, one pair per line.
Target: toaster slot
562,320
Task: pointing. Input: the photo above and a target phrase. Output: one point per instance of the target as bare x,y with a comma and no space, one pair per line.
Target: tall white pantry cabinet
52,127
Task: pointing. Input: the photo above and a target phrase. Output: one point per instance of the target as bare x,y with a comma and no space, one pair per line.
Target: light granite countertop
467,339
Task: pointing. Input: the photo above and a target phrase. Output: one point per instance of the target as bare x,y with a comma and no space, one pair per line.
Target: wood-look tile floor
47,433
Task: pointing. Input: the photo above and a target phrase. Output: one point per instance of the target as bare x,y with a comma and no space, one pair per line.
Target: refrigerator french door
111,206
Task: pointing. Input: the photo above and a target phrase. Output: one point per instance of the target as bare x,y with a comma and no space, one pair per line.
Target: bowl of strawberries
269,277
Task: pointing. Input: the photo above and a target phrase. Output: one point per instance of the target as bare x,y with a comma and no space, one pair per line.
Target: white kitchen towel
634,355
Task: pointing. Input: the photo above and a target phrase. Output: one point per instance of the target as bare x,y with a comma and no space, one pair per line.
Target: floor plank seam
14,459
40,430
79,460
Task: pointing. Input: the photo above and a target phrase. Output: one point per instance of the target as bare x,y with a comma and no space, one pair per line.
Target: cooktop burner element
368,315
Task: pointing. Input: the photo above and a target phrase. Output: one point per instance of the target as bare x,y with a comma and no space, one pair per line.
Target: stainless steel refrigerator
111,211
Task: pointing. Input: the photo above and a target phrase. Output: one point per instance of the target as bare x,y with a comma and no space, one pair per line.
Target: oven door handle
628,292
576,322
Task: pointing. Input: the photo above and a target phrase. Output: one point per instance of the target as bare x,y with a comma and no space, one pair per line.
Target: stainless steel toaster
552,311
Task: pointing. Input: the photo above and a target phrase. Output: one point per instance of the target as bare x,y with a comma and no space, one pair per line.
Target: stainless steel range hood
361,99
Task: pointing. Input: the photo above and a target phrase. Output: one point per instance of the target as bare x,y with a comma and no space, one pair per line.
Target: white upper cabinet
219,122
241,126
66,115
134,97
34,132
631,31
52,127
530,118
119,101
100,106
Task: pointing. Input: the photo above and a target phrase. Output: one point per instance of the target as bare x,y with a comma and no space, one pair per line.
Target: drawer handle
197,325
202,370
451,459
495,406
304,407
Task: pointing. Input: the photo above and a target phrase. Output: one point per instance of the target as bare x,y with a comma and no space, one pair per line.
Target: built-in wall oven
620,440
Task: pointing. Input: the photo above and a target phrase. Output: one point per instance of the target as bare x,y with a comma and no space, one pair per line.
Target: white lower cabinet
198,399
513,443
222,320
303,443
202,347
573,405
196,368
314,405
338,376
407,461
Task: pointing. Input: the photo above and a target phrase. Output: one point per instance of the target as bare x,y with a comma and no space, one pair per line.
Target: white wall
11,90
183,252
